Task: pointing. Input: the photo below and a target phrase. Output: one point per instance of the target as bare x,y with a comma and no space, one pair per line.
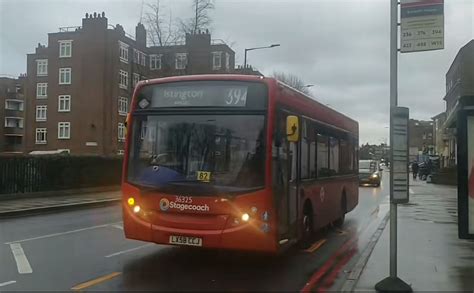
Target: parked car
369,173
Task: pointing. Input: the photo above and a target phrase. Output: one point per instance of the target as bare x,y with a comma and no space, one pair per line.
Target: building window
65,49
42,90
41,112
14,122
121,132
136,79
227,60
64,75
64,130
42,67
41,135
181,60
136,56
123,79
64,103
155,62
16,105
139,57
122,106
123,51
216,60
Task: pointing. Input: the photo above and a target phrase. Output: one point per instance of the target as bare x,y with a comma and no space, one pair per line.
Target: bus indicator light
131,201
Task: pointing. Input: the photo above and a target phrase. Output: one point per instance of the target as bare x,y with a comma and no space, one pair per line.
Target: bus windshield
197,153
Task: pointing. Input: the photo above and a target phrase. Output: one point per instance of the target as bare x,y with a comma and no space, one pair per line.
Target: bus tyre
307,226
339,222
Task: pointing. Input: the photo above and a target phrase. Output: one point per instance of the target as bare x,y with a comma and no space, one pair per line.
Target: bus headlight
136,209
245,217
131,201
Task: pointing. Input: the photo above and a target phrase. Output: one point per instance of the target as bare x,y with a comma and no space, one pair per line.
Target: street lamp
257,48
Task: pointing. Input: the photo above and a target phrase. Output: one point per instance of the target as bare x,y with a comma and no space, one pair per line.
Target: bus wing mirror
292,128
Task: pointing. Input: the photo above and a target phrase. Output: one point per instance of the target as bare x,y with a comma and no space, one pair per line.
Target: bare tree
161,29
292,80
201,19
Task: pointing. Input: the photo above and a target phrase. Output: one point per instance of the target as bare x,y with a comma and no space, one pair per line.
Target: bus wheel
339,222
307,226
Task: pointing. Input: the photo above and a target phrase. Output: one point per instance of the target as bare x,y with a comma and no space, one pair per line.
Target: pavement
24,206
430,255
85,249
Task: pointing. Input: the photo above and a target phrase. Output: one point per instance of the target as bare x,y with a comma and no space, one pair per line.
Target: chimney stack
140,35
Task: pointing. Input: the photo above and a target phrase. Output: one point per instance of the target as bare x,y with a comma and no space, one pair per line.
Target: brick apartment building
79,86
421,138
12,113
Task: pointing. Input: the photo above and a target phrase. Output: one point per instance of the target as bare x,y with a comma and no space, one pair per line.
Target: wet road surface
86,250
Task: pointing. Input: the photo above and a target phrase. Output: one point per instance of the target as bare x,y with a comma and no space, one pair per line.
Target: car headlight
375,176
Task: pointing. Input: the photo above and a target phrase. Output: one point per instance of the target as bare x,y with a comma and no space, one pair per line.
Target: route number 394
236,96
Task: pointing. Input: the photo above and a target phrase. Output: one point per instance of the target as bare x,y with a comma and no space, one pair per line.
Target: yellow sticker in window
203,176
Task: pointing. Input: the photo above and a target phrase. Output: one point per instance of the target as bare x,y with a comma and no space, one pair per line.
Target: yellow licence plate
185,240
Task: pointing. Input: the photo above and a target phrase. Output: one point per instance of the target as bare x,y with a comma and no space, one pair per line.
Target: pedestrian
414,169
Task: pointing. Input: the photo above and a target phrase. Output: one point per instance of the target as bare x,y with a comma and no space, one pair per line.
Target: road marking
315,246
129,250
61,233
7,283
118,226
94,282
21,261
411,191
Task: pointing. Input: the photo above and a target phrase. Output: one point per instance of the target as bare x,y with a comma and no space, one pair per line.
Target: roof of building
461,52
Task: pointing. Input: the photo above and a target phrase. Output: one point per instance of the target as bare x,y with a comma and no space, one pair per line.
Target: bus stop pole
392,282
393,104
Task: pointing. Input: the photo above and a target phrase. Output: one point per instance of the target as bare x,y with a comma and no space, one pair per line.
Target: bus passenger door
285,155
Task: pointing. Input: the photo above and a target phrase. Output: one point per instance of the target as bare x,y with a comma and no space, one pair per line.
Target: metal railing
20,174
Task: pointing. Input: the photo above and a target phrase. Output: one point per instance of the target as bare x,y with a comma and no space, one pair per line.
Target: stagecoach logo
164,204
321,194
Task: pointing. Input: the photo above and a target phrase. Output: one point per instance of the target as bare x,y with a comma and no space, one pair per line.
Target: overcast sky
342,47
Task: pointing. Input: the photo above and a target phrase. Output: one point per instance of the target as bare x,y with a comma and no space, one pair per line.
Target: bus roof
239,77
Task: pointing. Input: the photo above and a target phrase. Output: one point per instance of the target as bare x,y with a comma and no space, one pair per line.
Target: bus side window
322,156
304,150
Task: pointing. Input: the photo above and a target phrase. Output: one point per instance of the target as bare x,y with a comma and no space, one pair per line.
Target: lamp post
257,48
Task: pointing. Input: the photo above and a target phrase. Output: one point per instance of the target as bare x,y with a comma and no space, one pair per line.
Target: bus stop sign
399,155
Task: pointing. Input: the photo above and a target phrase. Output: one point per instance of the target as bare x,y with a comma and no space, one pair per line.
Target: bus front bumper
251,236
